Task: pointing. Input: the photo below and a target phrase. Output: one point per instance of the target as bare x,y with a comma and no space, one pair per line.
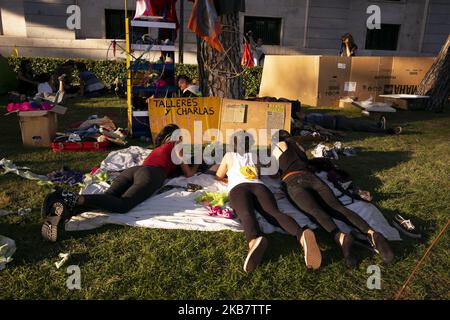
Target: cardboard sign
262,119
183,112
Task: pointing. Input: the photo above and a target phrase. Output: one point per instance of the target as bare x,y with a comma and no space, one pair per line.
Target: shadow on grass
32,249
364,167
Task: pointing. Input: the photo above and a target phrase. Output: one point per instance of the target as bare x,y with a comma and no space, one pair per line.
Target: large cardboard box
314,80
39,127
324,80
407,73
261,119
374,76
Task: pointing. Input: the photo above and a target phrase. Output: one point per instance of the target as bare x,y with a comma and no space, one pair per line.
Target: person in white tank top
247,193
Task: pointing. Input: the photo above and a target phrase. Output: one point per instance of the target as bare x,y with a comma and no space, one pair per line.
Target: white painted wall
37,27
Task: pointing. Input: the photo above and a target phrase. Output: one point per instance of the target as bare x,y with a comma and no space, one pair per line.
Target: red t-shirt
161,157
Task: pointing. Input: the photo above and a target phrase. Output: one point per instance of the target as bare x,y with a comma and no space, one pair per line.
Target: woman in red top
133,186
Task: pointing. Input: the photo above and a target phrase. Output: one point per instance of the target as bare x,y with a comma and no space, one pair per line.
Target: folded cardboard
314,80
375,76
187,113
219,118
325,80
38,128
406,101
368,77
261,119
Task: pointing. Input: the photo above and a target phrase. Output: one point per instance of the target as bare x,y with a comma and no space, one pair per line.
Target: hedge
108,70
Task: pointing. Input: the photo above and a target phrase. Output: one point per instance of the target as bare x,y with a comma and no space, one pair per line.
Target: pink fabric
142,8
28,106
220,212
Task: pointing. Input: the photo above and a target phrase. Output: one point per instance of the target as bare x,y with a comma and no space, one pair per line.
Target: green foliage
252,80
108,70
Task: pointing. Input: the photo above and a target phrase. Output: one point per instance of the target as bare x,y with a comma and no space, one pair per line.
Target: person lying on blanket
314,198
247,193
133,186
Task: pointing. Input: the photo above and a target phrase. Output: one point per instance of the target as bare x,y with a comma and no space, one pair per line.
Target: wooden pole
181,35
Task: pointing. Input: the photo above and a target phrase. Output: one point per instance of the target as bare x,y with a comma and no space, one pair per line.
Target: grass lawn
407,174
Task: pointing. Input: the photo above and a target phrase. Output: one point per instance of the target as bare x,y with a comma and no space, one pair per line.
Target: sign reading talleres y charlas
183,112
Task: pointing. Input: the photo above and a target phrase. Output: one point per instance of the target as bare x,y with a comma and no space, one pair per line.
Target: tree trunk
436,82
221,73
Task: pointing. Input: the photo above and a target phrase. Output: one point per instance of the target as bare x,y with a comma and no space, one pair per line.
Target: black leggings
313,197
246,197
130,188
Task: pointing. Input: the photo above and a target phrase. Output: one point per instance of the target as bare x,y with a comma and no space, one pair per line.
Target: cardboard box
261,119
39,127
314,80
407,73
324,80
374,76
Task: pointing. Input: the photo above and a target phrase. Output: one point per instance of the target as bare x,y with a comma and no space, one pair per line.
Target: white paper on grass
7,249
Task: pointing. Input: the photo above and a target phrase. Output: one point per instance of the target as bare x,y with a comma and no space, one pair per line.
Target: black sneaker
57,209
346,247
406,227
381,246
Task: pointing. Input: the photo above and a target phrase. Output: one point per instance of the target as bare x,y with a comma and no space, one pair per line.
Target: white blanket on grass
176,209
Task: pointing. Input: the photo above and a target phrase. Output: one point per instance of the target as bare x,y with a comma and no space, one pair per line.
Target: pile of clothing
66,176
333,152
94,129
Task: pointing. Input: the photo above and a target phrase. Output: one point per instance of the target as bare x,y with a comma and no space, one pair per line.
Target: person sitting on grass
45,90
133,186
313,197
90,85
64,72
187,88
248,193
27,82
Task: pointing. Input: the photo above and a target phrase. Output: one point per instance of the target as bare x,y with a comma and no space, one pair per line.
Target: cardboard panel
262,116
333,74
407,73
183,112
291,77
368,76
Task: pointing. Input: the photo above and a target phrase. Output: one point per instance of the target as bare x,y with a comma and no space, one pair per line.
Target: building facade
408,27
